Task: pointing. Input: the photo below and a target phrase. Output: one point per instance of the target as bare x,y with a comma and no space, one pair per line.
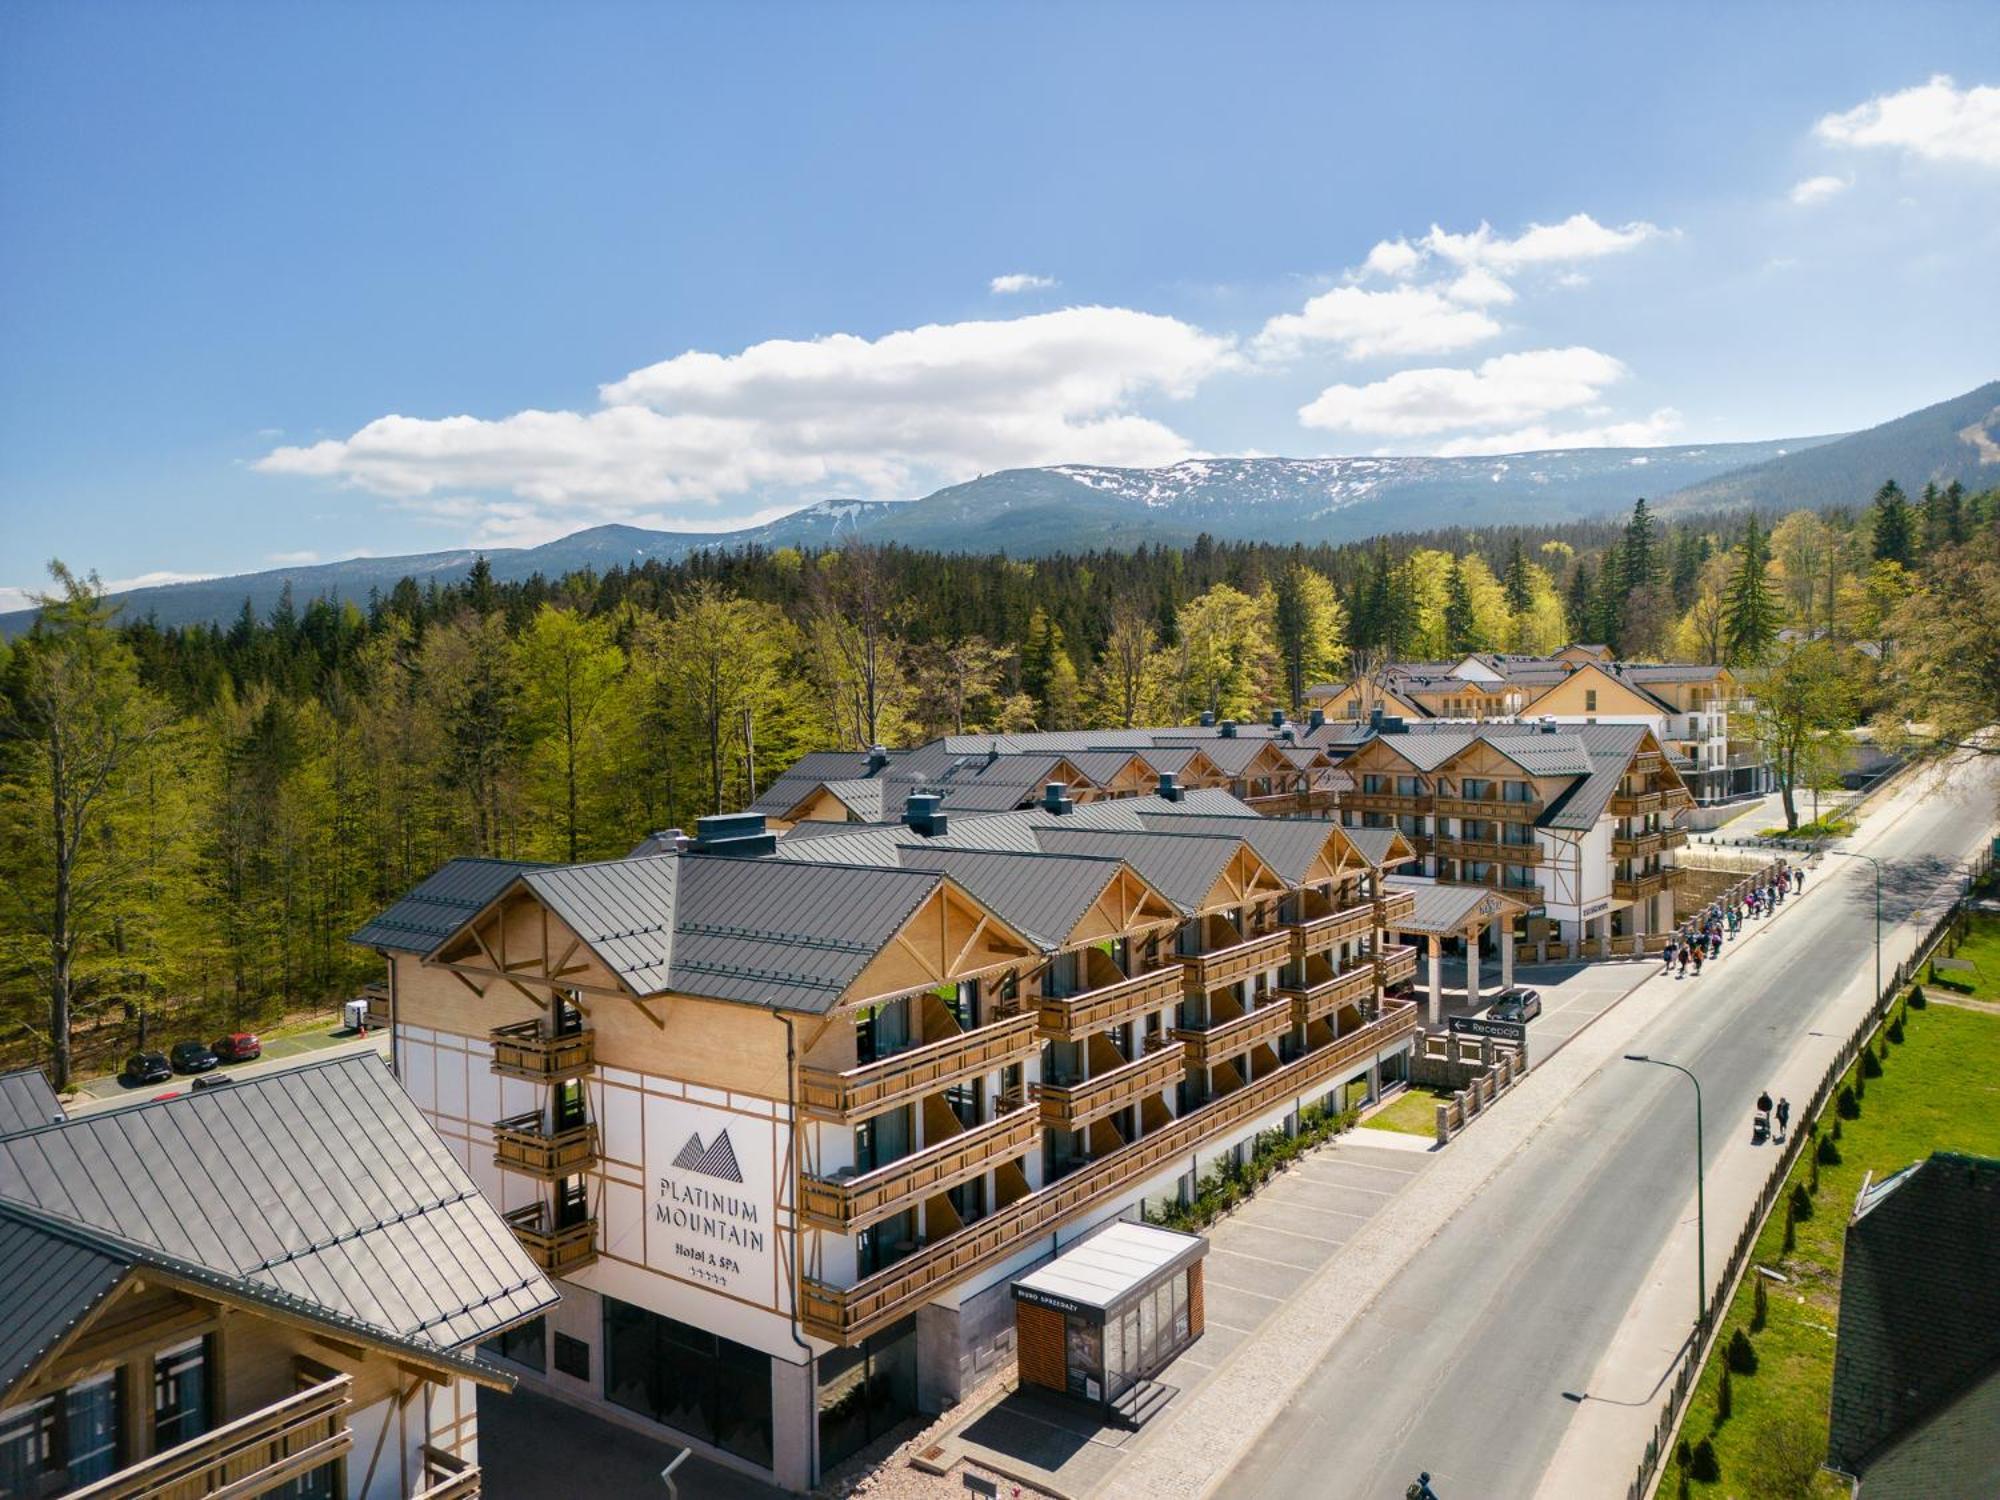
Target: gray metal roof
340,1197
27,1100
1181,867
622,908
1446,910
1115,1264
1609,748
1287,845
1372,844
1043,896
48,1284
439,906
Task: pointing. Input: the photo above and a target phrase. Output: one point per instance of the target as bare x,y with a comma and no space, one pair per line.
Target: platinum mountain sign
713,1203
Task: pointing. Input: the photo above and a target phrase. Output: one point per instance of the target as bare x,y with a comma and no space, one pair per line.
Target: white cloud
1397,257
292,559
840,414
23,597
1936,121
1577,238
1647,432
1019,281
1366,324
1814,190
1505,391
1480,287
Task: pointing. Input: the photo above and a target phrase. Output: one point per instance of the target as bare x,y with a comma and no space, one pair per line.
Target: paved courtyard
1573,995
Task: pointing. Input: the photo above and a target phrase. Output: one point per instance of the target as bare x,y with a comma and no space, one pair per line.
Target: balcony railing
1317,934
850,1203
250,1456
1638,846
1674,797
1398,964
1260,1025
1646,762
1397,802
1396,906
1493,853
522,1143
1310,1002
555,1250
1071,1018
1487,809
845,1314
522,1051
1639,887
1071,1106
1673,838
1206,971
448,1477
920,1070
1635,806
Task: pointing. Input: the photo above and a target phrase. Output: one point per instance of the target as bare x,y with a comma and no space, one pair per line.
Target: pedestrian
1784,1115
1798,878
1684,963
1667,952
1697,960
1715,945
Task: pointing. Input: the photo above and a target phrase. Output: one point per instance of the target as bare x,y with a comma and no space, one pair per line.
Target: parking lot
1573,995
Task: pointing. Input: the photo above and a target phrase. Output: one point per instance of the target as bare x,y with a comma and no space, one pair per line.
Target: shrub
1759,1305
1725,1400
1828,1154
1917,1000
1703,1465
1742,1353
1802,1203
1848,1105
1871,1065
1895,1031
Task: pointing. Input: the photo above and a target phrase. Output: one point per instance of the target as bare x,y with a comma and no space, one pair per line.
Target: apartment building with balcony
1579,825
1686,705
785,1118
278,1288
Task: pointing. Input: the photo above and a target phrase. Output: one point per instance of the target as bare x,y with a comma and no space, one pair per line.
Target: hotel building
786,1118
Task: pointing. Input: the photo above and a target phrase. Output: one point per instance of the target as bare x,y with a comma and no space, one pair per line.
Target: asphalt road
1460,1367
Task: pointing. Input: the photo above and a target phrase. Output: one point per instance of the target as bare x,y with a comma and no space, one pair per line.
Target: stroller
1760,1126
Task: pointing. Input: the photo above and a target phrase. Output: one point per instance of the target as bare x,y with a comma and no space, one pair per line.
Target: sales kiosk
1100,1320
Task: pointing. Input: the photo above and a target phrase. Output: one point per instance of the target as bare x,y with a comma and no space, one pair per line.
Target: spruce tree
1607,604
1640,549
1520,591
1576,607
1750,610
1460,628
1954,513
1895,527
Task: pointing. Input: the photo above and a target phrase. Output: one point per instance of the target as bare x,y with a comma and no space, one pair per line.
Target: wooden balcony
1397,964
904,1076
1071,1018
844,1315
1491,853
1208,971
1311,1002
447,1477
1387,802
1673,798
249,1456
1635,806
1318,934
522,1051
554,1250
1639,887
522,1143
1071,1106
1648,762
1673,838
1260,1025
1393,907
851,1203
1487,809
1638,846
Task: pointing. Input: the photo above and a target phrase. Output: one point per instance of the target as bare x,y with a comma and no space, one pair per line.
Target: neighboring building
1916,1364
275,1287
1272,767
787,1118
1576,824
1687,706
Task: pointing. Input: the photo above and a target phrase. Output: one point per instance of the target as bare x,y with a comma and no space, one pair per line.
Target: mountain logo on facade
715,1160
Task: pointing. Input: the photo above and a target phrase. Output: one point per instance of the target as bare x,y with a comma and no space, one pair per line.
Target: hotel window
1472,789
688,1379
1371,784
1590,700
866,1390
1409,786
181,1405
1517,791
525,1344
63,1441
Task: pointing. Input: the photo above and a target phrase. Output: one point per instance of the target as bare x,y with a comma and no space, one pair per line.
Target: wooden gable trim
950,936
1127,906
38,1373
484,935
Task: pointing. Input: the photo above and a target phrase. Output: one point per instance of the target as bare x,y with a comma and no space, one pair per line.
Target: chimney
1289,733
992,752
739,834
878,760
1208,721
923,814
1375,718
666,839
1170,787
1392,724
1277,718
1315,718
1229,729
1055,799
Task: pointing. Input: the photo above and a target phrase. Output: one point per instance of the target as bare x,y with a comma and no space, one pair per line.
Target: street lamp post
1877,865
1700,1200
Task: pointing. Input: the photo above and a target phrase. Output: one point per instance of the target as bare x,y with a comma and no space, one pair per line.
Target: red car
238,1046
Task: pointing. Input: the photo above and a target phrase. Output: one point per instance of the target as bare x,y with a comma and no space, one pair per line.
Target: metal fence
1950,924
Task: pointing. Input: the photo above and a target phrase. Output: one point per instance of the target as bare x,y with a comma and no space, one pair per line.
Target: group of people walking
1700,937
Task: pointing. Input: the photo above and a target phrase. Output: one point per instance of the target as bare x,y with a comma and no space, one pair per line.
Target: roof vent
1277,718
1375,718
1208,721
923,813
739,834
1170,787
1288,733
1315,718
1055,799
992,752
1229,729
878,760
668,840
1391,724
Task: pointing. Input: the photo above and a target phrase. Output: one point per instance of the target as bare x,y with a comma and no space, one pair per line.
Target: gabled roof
1919,1313
49,1282
1287,845
622,908
439,906
342,1201
1443,910
1377,845
1610,748
1182,868
1043,896
26,1100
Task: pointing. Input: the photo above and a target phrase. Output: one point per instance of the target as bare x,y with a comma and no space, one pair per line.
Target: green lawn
1981,948
1939,1090
1413,1112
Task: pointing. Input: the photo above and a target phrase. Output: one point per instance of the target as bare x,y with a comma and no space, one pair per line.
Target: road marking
1262,1260
1293,1233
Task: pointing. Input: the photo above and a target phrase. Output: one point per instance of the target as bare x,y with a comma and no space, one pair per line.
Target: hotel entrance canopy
1446,911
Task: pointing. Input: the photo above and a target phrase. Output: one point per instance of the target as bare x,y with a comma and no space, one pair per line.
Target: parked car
213,1081
238,1046
191,1057
146,1067
1516,1005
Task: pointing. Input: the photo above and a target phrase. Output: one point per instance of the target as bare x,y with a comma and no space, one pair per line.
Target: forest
193,819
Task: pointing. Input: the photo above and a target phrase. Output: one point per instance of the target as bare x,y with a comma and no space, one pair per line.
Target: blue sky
283,282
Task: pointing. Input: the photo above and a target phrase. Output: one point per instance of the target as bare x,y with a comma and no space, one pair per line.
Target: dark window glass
180,1395
60,1442
687,1378
572,1357
524,1344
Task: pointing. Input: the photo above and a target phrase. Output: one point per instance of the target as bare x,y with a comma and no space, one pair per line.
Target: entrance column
1472,967
1604,936
1507,956
1434,948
